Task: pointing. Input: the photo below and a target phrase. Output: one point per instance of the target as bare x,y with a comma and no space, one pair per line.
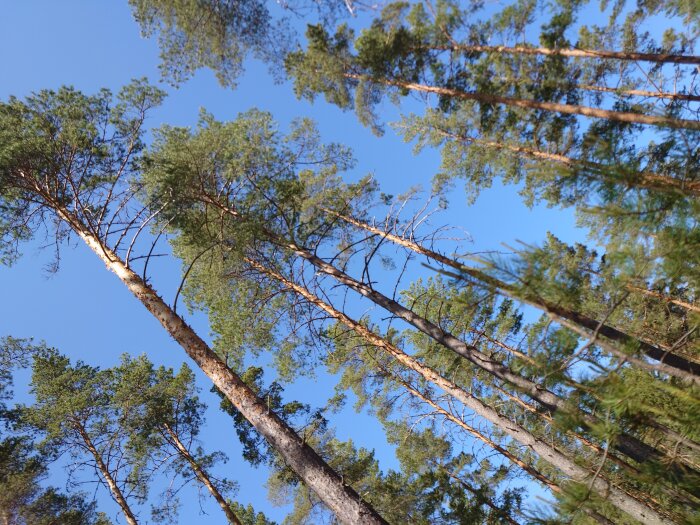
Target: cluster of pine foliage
571,371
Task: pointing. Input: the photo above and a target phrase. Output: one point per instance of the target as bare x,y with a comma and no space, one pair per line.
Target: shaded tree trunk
478,435
670,363
628,445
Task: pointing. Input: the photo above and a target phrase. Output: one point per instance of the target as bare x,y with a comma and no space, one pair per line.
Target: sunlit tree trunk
659,58
547,452
569,109
202,475
107,476
641,179
312,469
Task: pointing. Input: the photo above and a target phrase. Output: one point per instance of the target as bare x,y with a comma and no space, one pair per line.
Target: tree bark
551,485
547,452
670,363
642,179
628,445
640,93
658,58
663,297
202,476
569,109
309,466
109,480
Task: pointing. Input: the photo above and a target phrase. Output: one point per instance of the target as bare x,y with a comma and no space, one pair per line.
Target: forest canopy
554,381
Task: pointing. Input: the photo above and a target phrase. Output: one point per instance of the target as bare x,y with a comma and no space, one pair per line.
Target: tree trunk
642,179
628,445
619,91
311,468
547,452
109,480
202,476
481,437
569,109
663,297
659,58
670,363
640,93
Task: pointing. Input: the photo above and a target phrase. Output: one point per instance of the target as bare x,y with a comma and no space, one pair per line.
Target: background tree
163,416
73,413
24,498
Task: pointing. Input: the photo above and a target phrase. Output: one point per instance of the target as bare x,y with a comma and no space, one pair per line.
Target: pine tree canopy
349,356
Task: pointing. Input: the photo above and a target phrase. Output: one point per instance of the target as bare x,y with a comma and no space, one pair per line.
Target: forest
338,261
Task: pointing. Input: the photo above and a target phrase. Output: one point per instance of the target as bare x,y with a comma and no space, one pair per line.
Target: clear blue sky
85,311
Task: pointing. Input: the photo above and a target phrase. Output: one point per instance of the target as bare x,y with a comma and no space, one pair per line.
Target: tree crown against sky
263,217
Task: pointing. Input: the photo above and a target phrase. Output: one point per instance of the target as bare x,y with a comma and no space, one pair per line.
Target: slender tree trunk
547,452
311,468
620,91
478,435
569,109
659,58
670,363
202,476
663,297
640,93
628,445
109,480
642,179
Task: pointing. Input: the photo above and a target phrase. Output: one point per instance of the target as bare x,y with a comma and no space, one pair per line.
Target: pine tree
73,413
38,189
163,415
218,207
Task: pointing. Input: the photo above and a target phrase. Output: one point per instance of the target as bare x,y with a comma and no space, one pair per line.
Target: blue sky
86,312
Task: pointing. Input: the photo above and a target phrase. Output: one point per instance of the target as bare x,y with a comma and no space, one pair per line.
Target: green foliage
221,35
23,501
214,34
248,516
157,406
231,191
65,148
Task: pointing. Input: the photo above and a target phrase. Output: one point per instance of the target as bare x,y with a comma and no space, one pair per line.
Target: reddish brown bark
569,109
581,53
547,452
